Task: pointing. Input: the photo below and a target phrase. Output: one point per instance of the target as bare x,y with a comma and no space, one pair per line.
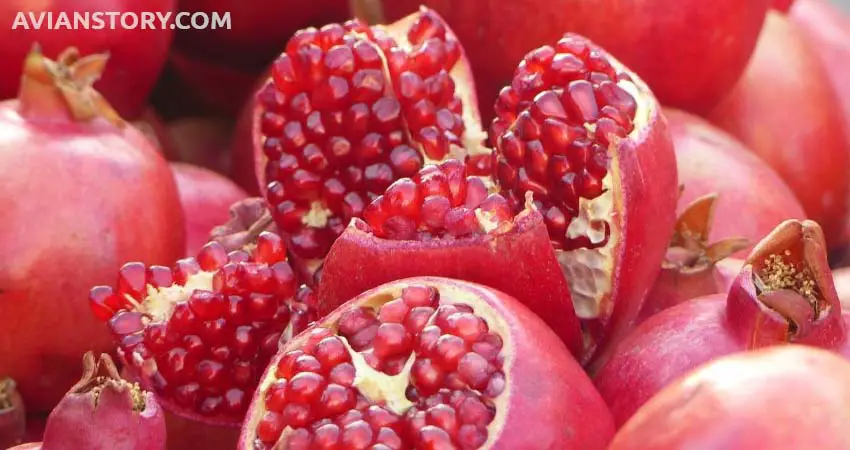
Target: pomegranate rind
519,261
733,403
540,375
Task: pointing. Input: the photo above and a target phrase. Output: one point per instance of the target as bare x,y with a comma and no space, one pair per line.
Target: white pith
590,271
159,302
390,389
317,216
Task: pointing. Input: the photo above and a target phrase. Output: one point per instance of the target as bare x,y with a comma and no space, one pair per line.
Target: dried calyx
101,375
248,218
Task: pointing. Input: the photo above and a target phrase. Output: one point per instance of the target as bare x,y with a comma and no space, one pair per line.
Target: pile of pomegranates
386,225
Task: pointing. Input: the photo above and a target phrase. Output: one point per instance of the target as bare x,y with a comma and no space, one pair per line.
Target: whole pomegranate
136,54
664,42
83,191
426,363
199,335
783,294
444,223
693,267
784,398
206,198
586,138
103,412
811,155
347,110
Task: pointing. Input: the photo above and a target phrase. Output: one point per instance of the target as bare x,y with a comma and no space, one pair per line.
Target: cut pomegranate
200,334
748,183
444,223
586,137
783,294
785,398
103,411
349,109
691,268
426,363
12,414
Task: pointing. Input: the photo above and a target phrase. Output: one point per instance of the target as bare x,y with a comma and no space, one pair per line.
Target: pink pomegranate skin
810,154
80,199
136,55
206,198
663,42
747,183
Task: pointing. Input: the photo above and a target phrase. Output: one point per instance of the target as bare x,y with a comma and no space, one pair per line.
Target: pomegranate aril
342,374
448,350
471,436
327,437
357,435
427,376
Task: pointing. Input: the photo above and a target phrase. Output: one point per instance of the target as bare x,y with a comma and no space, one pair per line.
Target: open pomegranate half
783,294
427,363
200,334
347,110
444,223
587,138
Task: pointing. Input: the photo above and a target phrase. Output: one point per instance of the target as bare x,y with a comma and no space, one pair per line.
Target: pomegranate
217,86
664,42
748,184
586,137
104,412
810,155
203,141
82,192
206,198
136,54
348,110
782,5
154,128
426,363
692,266
737,402
258,29
446,224
12,414
783,294
199,335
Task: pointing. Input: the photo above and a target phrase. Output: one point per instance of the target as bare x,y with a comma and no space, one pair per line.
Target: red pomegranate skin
80,199
784,398
206,198
136,55
664,42
810,154
680,338
703,153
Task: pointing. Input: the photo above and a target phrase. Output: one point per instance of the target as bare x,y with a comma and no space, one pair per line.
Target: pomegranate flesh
587,139
199,335
206,198
783,398
690,269
689,54
349,109
426,363
82,192
104,412
811,155
783,294
137,54
443,223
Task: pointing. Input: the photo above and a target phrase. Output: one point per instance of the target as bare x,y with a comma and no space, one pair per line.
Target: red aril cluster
199,334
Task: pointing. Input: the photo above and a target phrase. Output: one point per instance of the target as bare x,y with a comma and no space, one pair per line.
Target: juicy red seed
103,302
342,374
337,399
305,387
331,352
427,376
357,435
391,339
467,326
434,438
449,349
420,296
327,437
212,256
132,279
207,305
270,427
471,436
393,311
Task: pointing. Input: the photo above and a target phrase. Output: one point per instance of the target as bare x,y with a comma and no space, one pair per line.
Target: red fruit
587,138
12,414
811,154
349,109
781,398
216,85
747,184
692,266
664,42
782,5
153,127
104,412
202,141
199,334
783,294
206,198
443,223
82,192
136,54
426,363
257,31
